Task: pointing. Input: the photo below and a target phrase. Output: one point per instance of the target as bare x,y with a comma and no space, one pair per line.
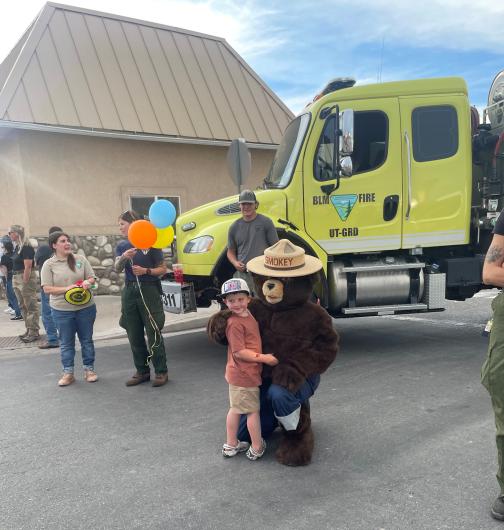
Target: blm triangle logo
344,204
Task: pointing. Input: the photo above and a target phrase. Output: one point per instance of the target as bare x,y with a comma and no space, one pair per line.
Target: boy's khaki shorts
244,400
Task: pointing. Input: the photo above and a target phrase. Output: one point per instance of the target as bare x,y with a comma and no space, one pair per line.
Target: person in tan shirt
243,370
59,274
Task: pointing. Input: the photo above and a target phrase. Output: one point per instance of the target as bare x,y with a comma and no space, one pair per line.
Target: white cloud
449,24
297,48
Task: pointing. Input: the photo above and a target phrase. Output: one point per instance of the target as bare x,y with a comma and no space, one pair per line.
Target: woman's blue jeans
47,319
78,322
11,298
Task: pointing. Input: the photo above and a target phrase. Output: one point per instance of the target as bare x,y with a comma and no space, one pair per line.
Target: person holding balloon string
142,313
68,280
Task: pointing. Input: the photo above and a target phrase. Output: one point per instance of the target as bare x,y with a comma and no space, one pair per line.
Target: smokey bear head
284,276
283,293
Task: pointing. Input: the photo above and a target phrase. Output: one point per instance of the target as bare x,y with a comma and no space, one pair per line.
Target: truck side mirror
346,140
346,166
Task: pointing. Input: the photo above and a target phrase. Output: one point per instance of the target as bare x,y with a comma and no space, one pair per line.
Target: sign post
238,162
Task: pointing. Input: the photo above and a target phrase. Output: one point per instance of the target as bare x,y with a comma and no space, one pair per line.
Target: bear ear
258,281
216,327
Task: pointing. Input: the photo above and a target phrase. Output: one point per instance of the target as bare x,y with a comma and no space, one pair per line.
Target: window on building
141,204
435,132
370,144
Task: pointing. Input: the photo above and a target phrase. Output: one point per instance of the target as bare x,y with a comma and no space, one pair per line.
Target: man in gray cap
249,236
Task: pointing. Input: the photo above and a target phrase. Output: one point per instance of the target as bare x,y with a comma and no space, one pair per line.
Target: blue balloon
162,213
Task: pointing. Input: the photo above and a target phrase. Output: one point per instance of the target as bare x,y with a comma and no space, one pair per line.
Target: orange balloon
142,234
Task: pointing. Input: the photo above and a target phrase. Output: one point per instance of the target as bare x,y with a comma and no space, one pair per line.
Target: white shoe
10,311
252,454
231,450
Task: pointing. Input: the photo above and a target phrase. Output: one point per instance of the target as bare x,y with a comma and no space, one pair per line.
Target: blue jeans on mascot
280,406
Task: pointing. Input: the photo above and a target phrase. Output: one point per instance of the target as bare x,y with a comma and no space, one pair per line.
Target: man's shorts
244,400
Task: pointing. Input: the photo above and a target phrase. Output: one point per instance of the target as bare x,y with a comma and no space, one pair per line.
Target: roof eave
6,124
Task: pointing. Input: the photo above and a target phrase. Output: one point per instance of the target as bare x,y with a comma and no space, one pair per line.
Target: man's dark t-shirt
499,225
151,259
26,252
6,261
44,252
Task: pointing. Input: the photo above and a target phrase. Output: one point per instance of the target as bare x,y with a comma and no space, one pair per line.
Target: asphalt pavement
404,438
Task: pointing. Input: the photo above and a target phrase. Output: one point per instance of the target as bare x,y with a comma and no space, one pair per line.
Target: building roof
80,70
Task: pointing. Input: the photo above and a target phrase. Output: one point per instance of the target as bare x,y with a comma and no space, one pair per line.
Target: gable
81,69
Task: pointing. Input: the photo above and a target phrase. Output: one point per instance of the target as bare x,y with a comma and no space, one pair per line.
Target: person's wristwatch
148,271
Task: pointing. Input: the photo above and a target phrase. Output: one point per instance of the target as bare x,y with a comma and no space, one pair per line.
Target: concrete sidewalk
106,325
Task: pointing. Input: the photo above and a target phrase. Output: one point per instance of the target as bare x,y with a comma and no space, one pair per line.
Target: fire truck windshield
287,153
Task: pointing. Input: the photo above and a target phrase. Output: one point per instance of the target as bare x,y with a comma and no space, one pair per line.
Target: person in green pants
492,371
141,306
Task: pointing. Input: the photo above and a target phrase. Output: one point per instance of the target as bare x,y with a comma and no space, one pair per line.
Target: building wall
12,188
83,183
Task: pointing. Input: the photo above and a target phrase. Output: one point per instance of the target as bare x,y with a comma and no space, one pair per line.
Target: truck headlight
199,245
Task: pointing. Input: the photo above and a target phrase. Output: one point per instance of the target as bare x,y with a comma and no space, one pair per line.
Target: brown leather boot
160,379
66,379
138,378
90,376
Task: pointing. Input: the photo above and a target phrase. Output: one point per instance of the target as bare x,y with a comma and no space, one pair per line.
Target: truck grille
229,209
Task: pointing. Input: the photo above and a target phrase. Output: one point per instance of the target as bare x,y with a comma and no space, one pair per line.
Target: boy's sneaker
231,450
252,454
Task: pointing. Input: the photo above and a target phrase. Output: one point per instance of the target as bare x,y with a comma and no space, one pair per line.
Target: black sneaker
498,508
20,317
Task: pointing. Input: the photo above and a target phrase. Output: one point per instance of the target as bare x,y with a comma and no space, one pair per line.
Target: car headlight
199,245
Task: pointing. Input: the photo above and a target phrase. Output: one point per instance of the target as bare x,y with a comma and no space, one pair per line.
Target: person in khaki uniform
492,371
24,281
59,274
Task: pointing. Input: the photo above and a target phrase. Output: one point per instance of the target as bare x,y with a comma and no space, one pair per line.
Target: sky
296,48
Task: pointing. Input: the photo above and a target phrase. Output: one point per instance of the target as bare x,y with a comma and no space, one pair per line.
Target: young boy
243,370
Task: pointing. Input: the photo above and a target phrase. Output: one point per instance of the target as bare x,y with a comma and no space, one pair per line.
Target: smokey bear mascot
299,333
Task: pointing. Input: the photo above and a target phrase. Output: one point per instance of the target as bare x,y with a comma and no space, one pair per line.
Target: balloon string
157,332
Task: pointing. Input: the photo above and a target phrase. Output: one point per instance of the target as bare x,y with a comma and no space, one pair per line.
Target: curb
171,327
196,322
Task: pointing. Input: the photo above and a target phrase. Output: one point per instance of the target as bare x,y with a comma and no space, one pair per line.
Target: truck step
383,309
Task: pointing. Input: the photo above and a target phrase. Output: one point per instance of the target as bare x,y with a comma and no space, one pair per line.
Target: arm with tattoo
494,254
493,271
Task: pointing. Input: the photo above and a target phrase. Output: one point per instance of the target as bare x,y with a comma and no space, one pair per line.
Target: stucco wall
83,183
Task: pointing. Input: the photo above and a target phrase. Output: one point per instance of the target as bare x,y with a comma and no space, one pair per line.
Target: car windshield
286,155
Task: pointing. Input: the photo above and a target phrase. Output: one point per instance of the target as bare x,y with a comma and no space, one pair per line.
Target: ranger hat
284,259
247,196
234,285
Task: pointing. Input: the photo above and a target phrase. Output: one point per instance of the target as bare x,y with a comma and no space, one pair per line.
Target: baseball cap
247,196
234,285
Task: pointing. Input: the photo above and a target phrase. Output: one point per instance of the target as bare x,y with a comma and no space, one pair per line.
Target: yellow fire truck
395,187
